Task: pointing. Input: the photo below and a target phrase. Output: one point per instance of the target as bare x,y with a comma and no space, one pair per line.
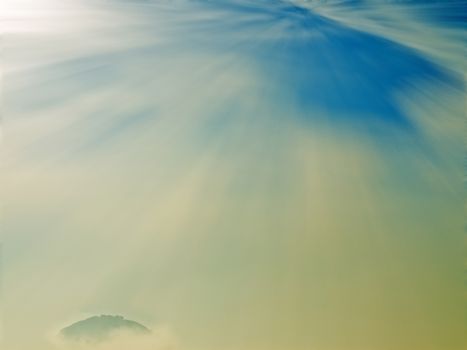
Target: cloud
161,338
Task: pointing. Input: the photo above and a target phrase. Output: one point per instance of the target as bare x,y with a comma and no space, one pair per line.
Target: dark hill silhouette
100,328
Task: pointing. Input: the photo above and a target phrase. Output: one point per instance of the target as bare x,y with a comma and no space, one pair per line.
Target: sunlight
33,16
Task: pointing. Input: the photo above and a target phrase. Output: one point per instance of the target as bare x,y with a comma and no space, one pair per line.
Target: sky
234,175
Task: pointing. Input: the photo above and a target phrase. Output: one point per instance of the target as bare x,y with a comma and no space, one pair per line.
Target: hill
100,328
